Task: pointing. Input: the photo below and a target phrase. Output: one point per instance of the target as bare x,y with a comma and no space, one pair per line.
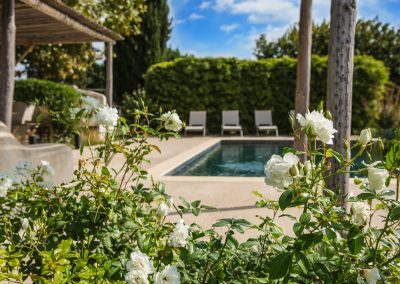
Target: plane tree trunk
340,83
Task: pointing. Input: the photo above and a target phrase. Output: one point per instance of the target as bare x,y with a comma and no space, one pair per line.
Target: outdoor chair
23,113
230,122
263,119
197,122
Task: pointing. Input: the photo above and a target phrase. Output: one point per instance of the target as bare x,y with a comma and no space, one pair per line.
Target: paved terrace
231,195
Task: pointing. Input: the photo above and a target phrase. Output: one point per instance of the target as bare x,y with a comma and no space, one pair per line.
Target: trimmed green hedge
216,84
57,97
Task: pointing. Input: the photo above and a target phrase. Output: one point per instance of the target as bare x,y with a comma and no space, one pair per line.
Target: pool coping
161,170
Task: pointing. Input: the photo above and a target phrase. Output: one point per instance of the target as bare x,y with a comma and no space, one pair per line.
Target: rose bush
112,226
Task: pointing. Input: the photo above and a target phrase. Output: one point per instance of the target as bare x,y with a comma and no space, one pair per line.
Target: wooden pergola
38,22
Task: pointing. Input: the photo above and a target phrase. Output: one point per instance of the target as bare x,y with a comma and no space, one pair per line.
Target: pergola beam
7,57
53,13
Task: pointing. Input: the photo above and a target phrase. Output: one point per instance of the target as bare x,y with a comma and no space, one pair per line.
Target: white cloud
261,11
195,16
221,5
179,21
228,28
205,5
275,32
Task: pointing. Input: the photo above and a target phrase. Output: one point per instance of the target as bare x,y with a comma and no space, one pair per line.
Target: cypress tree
135,54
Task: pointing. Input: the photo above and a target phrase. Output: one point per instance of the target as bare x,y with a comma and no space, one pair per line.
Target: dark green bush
58,98
216,84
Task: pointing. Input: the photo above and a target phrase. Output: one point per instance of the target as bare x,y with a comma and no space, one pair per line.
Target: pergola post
303,70
109,72
7,58
340,84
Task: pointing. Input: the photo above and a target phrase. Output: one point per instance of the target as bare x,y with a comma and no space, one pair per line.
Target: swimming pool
238,158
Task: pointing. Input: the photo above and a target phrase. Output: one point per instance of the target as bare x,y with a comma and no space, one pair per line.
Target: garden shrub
58,98
110,224
216,84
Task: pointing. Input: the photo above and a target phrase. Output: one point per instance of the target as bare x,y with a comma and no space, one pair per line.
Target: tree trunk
109,73
7,60
340,84
303,70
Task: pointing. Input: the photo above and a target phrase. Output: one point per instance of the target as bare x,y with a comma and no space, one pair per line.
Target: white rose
170,202
372,275
360,213
25,224
162,210
136,277
107,117
169,275
24,168
90,103
277,170
178,238
46,168
365,137
5,185
139,261
74,111
171,121
316,124
377,177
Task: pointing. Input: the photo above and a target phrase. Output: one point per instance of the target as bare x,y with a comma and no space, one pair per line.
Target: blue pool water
232,158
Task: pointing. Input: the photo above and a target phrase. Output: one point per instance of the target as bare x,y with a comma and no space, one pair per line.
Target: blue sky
230,27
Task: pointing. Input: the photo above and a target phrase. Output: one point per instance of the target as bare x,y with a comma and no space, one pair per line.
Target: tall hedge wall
216,84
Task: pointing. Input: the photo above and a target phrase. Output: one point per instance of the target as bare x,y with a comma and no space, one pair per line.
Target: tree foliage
122,16
61,63
139,51
374,38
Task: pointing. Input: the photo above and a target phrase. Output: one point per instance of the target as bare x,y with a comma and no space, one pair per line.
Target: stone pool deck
231,195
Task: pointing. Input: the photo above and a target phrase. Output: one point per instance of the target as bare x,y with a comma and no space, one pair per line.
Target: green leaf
395,213
303,262
366,196
222,223
320,107
105,171
298,229
332,153
306,240
305,218
280,265
330,234
195,203
185,203
393,157
285,199
356,245
196,211
232,241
